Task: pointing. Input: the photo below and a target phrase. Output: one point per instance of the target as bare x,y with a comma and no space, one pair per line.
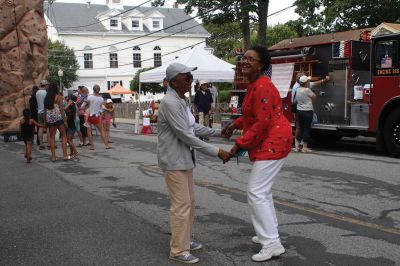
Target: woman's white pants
259,196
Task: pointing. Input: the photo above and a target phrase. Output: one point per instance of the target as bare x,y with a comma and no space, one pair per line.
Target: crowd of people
76,114
266,136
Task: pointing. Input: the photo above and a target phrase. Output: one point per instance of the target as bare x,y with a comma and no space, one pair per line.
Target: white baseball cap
175,69
109,101
304,79
203,82
44,83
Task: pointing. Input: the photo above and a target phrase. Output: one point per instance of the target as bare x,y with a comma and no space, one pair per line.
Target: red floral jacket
267,134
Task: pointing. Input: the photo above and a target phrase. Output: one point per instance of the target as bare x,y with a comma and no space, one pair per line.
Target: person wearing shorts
95,102
108,114
71,111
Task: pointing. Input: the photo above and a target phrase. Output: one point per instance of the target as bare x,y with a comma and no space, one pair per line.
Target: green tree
146,87
280,32
62,57
276,34
225,11
324,16
224,45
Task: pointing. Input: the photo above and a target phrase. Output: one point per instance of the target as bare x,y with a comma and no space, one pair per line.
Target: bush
224,96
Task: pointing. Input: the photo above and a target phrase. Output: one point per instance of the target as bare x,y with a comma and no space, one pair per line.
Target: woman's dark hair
263,53
34,90
27,115
72,108
52,92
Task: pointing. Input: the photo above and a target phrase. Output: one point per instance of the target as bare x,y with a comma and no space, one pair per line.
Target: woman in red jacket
267,136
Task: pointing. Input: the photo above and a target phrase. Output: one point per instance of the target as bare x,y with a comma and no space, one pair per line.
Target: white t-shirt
304,100
40,95
192,120
95,103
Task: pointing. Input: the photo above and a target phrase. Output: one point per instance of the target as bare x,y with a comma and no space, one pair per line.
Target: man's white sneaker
187,258
255,240
195,245
268,252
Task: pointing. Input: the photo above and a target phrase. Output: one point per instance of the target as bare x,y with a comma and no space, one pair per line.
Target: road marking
296,206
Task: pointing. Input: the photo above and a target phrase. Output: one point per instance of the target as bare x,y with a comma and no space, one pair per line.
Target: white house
113,41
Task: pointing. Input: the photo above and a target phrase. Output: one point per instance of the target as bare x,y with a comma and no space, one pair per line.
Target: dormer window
135,24
113,23
156,24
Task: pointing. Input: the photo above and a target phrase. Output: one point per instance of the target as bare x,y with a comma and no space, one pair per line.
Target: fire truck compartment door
282,77
330,104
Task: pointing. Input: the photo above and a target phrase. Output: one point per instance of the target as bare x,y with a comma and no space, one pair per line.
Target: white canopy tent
209,67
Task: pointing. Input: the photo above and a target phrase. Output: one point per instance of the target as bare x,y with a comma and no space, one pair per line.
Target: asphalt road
337,206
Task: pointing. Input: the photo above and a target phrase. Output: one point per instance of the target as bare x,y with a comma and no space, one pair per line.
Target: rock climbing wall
23,56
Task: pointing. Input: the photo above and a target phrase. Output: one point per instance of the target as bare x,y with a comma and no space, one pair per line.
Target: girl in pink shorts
108,114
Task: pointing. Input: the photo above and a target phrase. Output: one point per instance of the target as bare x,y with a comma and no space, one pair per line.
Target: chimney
175,5
88,4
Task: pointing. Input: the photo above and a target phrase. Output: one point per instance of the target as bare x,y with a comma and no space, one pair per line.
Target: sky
274,5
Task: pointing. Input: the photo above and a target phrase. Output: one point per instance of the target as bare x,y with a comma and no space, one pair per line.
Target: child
27,125
71,111
108,114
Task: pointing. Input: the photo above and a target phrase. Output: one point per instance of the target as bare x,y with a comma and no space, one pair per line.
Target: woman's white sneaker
267,252
255,240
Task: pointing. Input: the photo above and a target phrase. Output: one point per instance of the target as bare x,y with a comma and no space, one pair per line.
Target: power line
153,32
189,46
95,23
141,44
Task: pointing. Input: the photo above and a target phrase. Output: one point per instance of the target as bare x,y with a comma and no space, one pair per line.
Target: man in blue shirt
203,100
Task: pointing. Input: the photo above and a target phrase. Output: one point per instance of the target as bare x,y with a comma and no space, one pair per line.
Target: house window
113,60
137,57
157,56
156,24
113,22
135,24
88,60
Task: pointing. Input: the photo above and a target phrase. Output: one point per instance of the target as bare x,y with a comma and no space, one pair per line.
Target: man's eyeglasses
248,59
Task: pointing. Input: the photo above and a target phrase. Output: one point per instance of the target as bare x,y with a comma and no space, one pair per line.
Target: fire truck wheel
391,133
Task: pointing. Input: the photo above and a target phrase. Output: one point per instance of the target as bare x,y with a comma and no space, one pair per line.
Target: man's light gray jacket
175,138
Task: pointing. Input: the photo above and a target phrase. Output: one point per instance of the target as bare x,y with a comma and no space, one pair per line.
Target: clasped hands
225,156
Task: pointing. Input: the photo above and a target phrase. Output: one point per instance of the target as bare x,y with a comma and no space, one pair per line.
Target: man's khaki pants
204,119
181,191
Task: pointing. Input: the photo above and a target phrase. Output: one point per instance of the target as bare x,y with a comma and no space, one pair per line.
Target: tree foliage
62,57
221,12
146,87
321,16
280,32
224,44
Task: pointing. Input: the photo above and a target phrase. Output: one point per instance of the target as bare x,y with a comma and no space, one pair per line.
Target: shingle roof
319,39
395,26
66,16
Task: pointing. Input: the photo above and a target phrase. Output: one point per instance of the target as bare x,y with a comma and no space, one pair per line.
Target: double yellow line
299,207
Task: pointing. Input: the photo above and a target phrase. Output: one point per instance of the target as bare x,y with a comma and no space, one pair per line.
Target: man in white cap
177,141
203,100
40,95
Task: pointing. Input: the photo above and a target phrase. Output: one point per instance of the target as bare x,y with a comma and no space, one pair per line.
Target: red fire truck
363,96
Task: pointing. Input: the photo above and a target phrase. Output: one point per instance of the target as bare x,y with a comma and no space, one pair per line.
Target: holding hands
224,155
227,133
228,130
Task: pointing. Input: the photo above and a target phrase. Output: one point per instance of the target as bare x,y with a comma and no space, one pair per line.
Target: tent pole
137,113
